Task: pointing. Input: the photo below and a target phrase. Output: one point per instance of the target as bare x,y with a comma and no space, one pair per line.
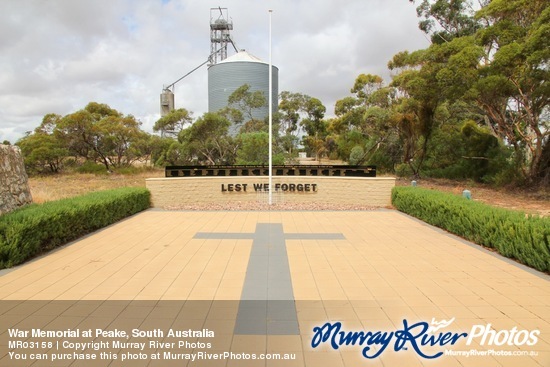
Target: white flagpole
270,106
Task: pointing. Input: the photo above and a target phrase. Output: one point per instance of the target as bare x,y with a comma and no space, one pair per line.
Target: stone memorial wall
181,191
309,185
14,182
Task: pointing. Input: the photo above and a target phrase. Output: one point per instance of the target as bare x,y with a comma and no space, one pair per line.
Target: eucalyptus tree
365,122
173,123
494,57
207,141
99,132
513,86
242,106
302,115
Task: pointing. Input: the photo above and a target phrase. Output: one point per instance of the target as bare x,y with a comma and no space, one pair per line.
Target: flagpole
270,107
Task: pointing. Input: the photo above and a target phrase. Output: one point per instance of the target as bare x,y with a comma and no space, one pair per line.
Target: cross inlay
267,301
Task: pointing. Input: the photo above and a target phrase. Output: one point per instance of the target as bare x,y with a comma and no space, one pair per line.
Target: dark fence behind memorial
286,170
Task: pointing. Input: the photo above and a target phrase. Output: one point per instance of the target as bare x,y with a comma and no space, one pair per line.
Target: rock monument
14,182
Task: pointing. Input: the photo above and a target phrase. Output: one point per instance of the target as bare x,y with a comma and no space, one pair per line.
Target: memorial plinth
346,185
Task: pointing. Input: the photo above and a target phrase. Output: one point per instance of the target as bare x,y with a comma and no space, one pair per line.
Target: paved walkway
264,280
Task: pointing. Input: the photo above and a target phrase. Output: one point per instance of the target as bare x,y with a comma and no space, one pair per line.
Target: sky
56,56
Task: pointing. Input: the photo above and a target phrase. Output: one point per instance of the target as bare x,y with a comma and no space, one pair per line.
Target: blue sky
58,55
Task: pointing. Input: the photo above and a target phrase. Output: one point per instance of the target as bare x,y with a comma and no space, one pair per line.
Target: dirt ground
531,202
56,187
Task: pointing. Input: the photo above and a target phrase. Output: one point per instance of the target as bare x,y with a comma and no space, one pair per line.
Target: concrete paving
264,280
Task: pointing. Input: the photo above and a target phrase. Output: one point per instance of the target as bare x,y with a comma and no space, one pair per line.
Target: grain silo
235,71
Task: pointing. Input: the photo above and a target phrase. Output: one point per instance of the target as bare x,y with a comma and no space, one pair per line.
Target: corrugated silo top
242,56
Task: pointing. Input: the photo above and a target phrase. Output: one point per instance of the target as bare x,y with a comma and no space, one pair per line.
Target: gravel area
261,206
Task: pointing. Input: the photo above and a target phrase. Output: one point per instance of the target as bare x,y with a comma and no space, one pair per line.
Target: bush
513,234
92,167
357,156
403,170
133,170
38,228
254,150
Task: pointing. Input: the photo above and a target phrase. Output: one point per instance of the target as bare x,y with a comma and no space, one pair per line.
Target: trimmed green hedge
512,233
37,228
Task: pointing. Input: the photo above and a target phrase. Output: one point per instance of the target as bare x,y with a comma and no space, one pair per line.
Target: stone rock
14,182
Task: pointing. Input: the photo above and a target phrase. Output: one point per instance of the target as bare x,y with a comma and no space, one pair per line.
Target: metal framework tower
220,34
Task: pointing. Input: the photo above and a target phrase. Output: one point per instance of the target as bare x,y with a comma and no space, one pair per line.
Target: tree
357,156
364,122
513,85
117,135
496,59
315,126
461,148
208,142
176,154
152,148
99,132
446,20
94,133
173,123
426,79
75,132
42,153
290,107
49,123
299,113
254,149
42,150
243,103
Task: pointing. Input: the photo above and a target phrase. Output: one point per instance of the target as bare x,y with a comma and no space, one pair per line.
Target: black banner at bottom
283,333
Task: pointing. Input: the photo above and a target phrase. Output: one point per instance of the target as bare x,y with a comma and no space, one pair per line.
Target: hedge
37,228
514,234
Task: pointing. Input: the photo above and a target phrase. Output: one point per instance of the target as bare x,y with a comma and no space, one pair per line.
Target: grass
67,185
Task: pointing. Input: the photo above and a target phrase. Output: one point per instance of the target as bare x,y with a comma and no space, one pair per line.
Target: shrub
92,167
357,156
37,228
403,170
512,233
133,170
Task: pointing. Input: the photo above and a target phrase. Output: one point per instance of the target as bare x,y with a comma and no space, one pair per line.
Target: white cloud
58,55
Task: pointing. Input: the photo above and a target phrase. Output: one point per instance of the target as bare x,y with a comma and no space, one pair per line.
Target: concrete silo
235,71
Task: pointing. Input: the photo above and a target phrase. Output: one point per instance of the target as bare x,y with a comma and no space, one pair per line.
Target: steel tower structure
220,34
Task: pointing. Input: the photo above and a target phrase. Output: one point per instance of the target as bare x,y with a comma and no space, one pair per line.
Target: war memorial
264,265
272,287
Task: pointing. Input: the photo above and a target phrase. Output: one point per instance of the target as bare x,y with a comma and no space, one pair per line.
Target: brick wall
170,192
